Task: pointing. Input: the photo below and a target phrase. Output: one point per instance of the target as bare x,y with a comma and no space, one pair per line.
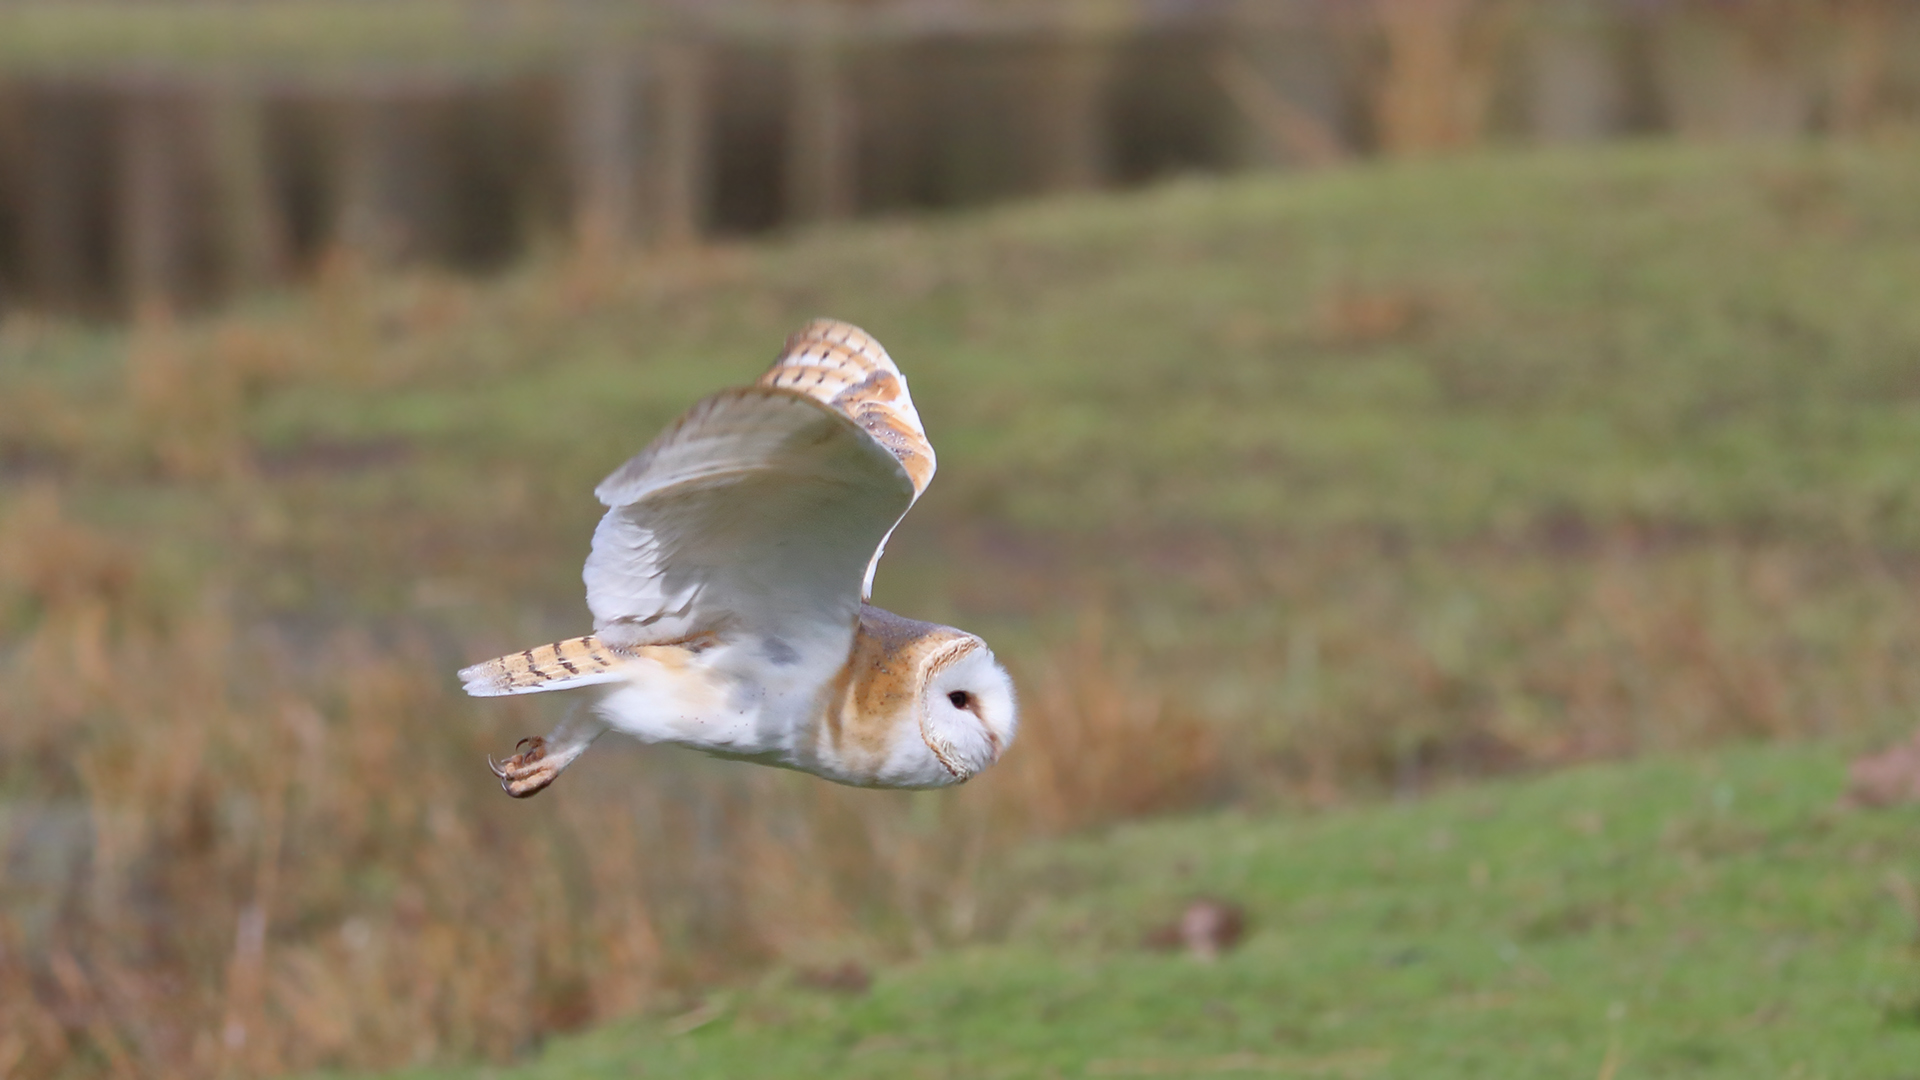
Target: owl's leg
540,758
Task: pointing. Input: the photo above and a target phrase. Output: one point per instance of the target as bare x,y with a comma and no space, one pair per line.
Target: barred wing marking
842,366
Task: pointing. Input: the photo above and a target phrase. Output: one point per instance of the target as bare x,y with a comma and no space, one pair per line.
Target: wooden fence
148,183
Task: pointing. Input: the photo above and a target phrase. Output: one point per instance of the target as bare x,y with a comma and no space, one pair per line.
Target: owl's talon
528,772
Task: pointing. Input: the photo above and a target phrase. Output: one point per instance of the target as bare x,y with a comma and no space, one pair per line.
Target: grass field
1707,917
1274,493
310,34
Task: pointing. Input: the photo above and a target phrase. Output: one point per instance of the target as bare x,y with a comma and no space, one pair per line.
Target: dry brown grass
296,860
291,856
1622,647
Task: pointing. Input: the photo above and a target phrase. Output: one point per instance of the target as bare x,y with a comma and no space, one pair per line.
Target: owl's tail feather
580,661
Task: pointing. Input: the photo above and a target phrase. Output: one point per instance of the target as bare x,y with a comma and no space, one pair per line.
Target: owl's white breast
856,721
742,696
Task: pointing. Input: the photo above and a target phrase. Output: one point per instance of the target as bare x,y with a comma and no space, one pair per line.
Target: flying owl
729,581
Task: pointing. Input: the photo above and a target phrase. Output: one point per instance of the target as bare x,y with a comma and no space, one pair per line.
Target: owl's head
968,715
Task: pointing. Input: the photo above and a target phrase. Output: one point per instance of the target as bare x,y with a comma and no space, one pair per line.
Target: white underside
772,717
705,706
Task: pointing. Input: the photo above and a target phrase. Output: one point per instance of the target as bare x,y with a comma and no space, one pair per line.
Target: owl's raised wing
763,508
840,364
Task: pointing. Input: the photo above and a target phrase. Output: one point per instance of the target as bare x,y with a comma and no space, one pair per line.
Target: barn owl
728,583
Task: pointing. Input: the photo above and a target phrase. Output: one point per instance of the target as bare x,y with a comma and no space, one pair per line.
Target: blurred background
179,153
1463,387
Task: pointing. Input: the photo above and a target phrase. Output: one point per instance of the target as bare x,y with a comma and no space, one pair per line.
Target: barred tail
580,661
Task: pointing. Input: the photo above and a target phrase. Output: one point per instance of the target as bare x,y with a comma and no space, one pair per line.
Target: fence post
820,124
1437,77
1071,109
1573,77
147,202
252,237
603,137
685,125
13,157
369,220
54,195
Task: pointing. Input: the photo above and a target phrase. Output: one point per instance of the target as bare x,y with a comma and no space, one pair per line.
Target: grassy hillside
1272,492
1306,441
1711,917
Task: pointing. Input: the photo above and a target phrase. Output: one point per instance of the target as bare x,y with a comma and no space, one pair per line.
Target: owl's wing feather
842,366
759,509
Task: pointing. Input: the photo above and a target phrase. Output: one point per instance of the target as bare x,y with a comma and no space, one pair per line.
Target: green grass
1711,917
41,35
1381,478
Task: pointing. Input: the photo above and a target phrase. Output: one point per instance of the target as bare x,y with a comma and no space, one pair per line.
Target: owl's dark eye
961,699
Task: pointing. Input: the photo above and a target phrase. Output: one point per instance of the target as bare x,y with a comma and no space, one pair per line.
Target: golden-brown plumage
884,673
840,364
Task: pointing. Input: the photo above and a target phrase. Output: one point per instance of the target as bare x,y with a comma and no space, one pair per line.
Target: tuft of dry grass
1354,316
1103,739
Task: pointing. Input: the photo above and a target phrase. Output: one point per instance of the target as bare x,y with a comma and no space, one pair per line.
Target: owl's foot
539,758
529,771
